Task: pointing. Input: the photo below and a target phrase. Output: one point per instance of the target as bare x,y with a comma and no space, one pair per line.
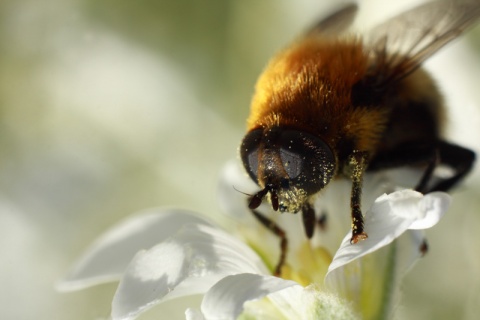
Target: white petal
194,314
390,216
108,257
434,205
188,263
226,298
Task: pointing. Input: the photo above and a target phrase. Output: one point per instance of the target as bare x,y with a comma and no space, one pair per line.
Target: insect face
289,164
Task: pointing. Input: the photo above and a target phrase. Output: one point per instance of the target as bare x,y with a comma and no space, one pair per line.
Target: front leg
357,164
279,232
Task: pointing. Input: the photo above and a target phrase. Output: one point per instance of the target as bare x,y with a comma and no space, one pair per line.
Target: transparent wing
335,23
402,43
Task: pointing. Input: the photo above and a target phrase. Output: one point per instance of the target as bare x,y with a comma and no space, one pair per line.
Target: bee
336,105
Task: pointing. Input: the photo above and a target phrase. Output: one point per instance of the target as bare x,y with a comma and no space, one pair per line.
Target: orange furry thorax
308,87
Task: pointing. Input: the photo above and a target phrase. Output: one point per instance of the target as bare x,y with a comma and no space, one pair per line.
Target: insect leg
279,232
358,164
459,159
409,155
424,247
422,185
308,217
322,220
404,155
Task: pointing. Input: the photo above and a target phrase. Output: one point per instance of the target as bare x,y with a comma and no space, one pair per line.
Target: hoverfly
335,104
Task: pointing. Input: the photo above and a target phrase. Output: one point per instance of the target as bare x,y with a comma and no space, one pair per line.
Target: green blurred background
110,107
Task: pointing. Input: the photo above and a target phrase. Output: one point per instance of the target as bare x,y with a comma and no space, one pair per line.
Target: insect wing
402,43
335,23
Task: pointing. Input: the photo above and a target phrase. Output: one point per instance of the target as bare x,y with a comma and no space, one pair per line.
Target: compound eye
249,150
292,162
307,160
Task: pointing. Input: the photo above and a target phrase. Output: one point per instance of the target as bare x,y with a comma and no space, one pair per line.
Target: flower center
308,265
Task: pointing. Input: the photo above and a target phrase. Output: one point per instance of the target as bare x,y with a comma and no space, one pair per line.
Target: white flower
162,254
